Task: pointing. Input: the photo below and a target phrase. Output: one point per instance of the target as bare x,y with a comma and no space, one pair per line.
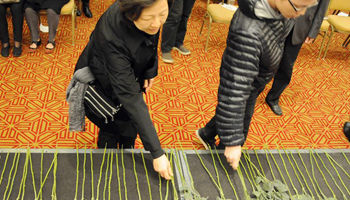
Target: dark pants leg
4,34
120,131
17,20
171,25
181,32
284,74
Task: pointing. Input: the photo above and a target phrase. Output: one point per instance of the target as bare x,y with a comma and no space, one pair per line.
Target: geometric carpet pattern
34,112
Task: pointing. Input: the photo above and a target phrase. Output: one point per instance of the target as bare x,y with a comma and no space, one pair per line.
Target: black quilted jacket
253,52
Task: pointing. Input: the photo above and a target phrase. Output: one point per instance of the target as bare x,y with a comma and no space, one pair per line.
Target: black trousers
118,133
17,21
259,85
175,27
284,74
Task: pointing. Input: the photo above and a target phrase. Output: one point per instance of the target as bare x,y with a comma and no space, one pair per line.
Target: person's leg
17,22
207,134
4,34
32,18
284,74
126,130
53,20
182,29
170,29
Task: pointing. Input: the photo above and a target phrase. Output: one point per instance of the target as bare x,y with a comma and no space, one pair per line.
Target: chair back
343,5
68,8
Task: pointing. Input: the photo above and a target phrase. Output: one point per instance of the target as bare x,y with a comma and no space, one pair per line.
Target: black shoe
346,130
17,51
275,108
5,51
86,10
207,142
78,13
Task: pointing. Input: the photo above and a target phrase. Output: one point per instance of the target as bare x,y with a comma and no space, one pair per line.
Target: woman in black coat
122,56
17,21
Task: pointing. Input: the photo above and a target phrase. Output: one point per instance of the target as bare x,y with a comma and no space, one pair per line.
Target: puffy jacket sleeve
129,94
239,68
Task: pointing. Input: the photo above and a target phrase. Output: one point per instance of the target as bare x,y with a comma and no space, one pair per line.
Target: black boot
346,130
86,9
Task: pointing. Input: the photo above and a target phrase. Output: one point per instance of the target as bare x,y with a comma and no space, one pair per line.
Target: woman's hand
148,84
162,166
233,155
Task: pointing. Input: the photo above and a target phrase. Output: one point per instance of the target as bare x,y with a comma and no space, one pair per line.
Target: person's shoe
346,130
86,10
17,51
78,13
275,108
167,58
207,143
182,50
5,51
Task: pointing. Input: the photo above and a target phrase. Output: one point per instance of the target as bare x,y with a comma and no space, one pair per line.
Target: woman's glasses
299,9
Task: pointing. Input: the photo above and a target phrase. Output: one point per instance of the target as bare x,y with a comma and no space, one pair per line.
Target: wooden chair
340,24
218,14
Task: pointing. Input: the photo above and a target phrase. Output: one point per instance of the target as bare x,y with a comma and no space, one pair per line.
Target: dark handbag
9,1
99,104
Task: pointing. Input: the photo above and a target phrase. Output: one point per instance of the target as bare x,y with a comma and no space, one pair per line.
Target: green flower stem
227,175
3,169
314,178
206,169
100,177
308,174
41,171
110,176
345,172
84,175
217,174
247,174
118,178
335,182
106,175
92,176
261,168
302,175
124,176
279,171
340,178
323,176
249,166
175,196
346,158
33,176
167,182
160,187
148,183
246,194
77,178
135,173
268,161
10,175
26,173
54,194
285,168
295,171
47,174
23,177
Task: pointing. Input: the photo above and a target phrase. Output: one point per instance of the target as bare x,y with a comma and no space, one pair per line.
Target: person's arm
129,94
318,19
238,70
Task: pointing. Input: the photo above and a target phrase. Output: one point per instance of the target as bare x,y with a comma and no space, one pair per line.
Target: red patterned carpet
34,113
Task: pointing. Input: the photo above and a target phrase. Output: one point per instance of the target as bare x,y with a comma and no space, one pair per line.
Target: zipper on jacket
98,110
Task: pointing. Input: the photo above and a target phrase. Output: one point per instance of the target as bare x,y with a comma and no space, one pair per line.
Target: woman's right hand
162,166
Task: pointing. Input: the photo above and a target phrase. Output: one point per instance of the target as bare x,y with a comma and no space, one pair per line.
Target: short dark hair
132,8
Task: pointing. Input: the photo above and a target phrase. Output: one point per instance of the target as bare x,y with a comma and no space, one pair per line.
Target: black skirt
37,5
